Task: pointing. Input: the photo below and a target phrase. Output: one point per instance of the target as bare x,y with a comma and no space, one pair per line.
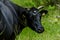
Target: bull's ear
27,9
43,12
25,12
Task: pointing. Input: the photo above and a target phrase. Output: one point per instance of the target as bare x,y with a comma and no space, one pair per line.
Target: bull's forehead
33,11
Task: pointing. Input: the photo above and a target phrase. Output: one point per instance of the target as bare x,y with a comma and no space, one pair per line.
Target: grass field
49,21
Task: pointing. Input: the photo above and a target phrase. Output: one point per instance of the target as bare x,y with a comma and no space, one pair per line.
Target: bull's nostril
40,30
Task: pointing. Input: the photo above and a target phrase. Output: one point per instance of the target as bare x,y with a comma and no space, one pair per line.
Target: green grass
49,22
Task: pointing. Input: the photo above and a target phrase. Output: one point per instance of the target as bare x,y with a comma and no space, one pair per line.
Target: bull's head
34,19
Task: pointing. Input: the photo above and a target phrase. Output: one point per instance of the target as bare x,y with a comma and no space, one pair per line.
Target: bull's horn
40,7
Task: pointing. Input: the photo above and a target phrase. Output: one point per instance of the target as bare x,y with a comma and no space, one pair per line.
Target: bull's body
15,18
11,19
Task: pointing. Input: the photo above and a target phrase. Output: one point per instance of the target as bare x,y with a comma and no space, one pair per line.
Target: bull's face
34,19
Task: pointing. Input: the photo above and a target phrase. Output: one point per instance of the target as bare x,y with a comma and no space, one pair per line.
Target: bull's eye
34,14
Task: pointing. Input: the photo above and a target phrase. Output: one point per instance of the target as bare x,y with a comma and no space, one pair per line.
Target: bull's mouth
38,30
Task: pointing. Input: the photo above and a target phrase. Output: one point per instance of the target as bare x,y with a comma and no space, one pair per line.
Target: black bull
14,18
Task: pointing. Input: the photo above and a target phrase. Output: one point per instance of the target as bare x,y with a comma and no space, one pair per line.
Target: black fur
17,19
